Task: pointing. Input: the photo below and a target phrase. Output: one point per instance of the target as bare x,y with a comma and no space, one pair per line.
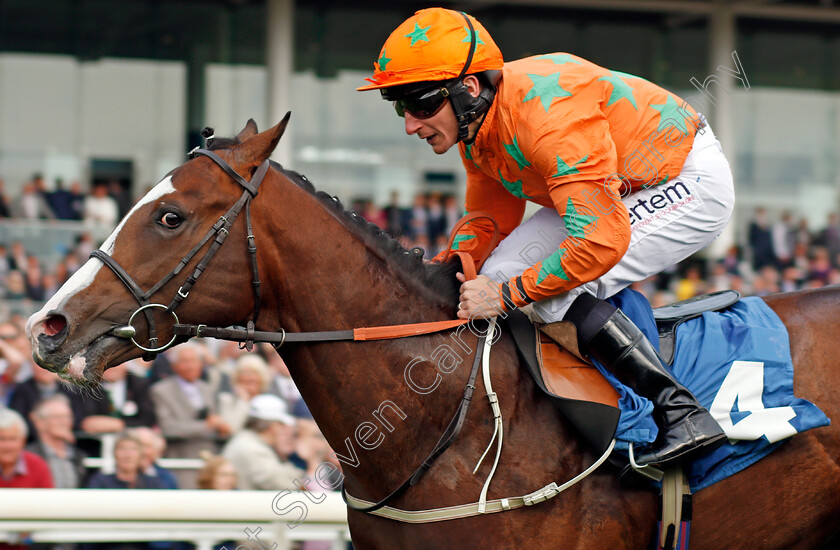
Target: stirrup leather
565,334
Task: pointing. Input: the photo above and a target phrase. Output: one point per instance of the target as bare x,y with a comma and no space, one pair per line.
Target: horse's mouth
85,366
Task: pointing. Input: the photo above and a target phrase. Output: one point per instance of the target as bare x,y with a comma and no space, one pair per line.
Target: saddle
669,317
576,387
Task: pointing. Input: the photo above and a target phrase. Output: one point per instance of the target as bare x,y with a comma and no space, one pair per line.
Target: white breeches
669,222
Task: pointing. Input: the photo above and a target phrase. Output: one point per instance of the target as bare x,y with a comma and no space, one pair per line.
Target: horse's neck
383,405
357,391
332,278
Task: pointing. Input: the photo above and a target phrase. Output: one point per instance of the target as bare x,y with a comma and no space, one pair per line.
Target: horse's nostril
54,324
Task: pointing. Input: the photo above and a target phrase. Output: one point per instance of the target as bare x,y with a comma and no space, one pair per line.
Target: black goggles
425,105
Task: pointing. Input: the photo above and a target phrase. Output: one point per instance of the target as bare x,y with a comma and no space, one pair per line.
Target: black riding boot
685,427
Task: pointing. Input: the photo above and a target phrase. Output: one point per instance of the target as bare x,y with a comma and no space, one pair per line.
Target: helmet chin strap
466,106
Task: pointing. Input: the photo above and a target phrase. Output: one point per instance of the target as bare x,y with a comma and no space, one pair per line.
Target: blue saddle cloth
737,363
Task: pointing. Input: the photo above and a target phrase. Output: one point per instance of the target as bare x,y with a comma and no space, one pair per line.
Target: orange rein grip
467,264
401,331
471,272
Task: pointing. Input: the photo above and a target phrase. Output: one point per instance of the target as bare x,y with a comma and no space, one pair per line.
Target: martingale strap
446,439
483,506
475,508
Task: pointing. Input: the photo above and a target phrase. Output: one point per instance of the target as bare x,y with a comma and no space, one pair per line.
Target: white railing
106,463
205,518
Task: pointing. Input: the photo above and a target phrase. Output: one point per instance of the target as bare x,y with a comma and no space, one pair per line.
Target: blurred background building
118,91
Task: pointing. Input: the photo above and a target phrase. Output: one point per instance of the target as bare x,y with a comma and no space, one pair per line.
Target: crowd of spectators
425,224
103,206
26,280
237,410
198,398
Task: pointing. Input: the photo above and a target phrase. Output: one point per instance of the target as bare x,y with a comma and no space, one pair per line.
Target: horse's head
96,321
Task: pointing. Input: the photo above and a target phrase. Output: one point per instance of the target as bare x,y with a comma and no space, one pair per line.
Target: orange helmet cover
433,45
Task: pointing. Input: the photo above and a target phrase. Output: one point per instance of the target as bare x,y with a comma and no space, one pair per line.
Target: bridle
218,233
249,335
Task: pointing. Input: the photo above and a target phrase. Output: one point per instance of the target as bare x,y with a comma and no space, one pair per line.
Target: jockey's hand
479,298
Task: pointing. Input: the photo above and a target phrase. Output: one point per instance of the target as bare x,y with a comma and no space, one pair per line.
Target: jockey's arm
578,160
579,164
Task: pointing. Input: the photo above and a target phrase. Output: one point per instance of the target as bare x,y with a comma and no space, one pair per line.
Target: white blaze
84,276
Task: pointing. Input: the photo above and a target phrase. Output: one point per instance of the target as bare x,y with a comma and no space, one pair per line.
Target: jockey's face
440,130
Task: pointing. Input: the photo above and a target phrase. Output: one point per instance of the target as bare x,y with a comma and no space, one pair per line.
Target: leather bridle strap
277,339
251,186
219,231
446,439
255,271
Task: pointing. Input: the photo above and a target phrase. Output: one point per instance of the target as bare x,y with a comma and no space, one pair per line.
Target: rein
249,335
364,334
277,339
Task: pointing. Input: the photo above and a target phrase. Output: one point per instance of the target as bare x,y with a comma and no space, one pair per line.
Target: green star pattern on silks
456,243
514,187
383,61
515,153
418,34
560,58
468,39
649,185
547,88
564,169
626,75
620,90
576,222
468,154
670,111
553,265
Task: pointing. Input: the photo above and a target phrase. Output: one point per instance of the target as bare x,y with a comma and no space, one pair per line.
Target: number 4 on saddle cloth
736,362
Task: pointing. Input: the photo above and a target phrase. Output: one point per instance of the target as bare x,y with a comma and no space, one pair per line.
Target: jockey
630,177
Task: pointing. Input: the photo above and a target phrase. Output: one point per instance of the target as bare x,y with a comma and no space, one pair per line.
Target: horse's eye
170,220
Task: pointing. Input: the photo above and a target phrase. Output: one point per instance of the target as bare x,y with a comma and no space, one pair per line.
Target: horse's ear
249,131
260,146
277,132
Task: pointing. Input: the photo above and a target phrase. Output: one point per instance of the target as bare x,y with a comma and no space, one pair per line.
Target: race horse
324,269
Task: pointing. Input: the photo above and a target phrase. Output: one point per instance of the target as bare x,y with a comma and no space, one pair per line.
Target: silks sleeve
577,158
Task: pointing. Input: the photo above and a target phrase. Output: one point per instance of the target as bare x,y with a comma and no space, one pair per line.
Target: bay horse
322,269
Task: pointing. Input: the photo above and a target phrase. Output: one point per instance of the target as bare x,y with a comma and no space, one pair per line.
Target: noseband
220,232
